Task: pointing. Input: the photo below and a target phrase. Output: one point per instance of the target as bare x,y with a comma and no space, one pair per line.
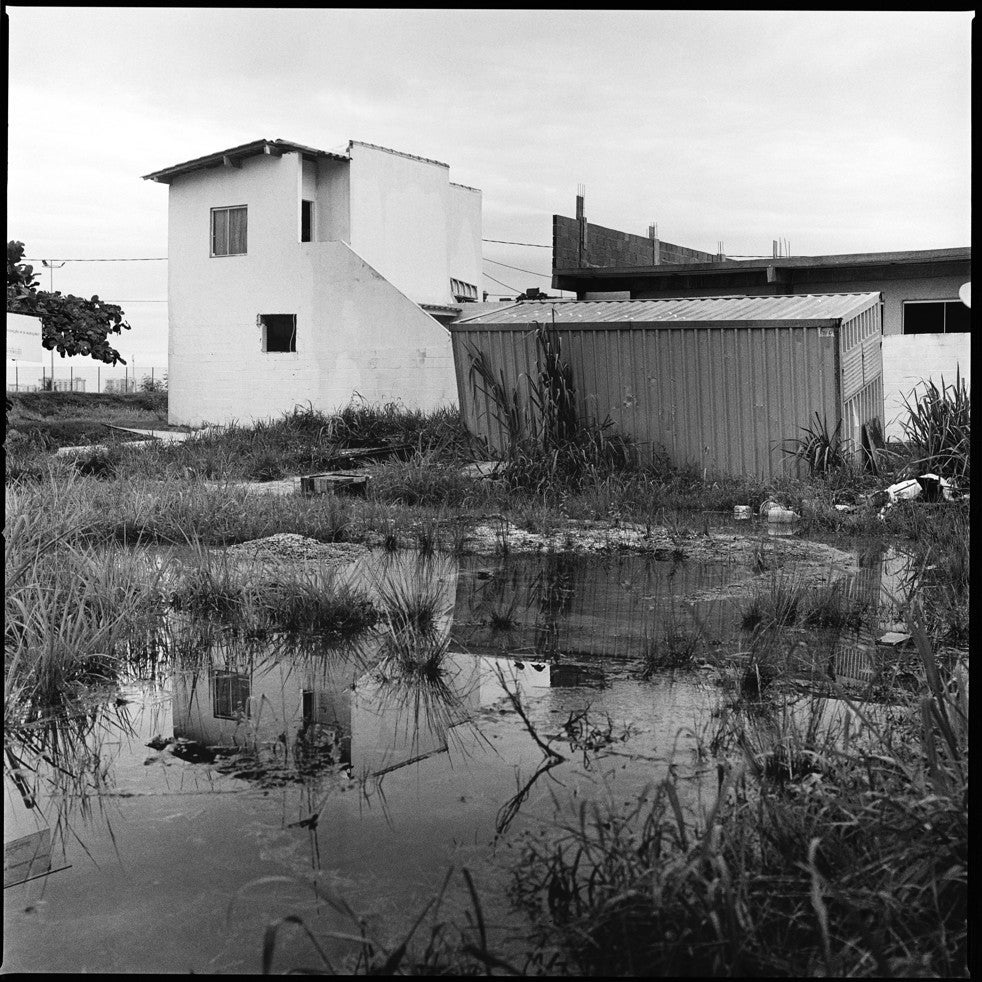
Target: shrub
824,452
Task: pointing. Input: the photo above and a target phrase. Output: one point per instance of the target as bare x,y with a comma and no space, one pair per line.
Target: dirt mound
290,549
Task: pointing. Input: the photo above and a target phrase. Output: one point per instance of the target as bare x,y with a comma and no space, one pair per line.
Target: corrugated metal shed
721,382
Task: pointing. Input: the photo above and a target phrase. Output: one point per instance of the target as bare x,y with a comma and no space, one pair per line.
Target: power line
490,277
144,259
547,276
532,245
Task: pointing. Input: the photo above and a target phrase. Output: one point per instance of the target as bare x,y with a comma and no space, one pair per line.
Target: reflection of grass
62,763
312,603
412,605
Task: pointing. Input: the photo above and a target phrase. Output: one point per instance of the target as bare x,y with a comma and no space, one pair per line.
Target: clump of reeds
677,648
548,442
790,600
823,450
410,605
778,607
299,602
75,618
937,428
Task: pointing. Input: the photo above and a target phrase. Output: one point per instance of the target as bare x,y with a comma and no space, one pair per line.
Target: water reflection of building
26,834
299,702
559,607
366,703
567,606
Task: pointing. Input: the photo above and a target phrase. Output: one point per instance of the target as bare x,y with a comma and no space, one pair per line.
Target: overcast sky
841,132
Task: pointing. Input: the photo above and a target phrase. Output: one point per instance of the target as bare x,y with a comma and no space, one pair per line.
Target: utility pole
51,266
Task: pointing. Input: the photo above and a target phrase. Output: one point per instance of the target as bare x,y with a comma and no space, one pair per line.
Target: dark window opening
306,221
229,231
279,332
230,694
936,317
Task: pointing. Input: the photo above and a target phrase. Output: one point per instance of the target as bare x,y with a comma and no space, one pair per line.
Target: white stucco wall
374,340
910,359
356,336
464,235
331,210
400,213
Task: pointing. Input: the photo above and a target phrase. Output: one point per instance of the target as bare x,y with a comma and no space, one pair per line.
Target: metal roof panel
798,307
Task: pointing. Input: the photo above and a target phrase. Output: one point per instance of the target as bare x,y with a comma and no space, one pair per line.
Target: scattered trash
935,488
904,490
927,487
782,515
339,482
845,509
741,512
483,468
893,639
766,506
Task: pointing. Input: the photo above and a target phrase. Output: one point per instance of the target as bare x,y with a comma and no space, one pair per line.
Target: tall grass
75,618
832,852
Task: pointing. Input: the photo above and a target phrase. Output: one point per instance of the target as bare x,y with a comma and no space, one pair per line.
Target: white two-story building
302,276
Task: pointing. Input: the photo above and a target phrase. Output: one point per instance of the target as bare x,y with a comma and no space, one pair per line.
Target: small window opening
306,221
279,332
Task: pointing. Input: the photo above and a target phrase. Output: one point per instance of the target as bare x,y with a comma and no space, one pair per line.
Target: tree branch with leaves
70,325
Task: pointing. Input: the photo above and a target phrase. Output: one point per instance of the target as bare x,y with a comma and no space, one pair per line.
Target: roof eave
234,155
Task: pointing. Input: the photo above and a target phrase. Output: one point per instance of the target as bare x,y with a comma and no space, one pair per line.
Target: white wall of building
400,213
910,359
23,339
24,351
215,352
332,219
464,235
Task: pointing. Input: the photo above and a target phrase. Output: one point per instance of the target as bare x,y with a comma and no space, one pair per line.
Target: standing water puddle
262,780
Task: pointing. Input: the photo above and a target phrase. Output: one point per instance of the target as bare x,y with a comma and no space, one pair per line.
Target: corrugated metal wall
723,396
861,354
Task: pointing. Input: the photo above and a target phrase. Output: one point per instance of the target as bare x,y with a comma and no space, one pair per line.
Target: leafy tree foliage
71,325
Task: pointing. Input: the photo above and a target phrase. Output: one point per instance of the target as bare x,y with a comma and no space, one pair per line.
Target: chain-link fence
86,378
